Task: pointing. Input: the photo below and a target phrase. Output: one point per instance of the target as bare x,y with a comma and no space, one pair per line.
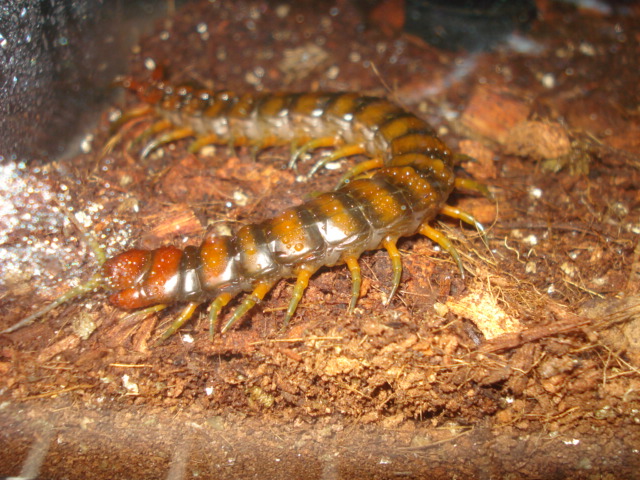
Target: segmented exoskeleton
401,187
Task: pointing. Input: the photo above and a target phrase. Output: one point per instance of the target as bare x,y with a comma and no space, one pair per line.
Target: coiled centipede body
403,185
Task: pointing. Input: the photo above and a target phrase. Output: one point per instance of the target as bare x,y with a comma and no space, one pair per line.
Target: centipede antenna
94,282
91,242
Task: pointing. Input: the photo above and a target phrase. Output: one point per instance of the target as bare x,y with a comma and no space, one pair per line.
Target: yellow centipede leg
259,291
169,137
137,112
217,305
321,142
359,168
302,280
157,127
474,186
340,153
442,240
185,315
356,281
202,141
467,218
396,265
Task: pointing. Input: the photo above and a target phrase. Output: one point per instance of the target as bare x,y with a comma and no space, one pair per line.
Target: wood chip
483,310
493,113
538,140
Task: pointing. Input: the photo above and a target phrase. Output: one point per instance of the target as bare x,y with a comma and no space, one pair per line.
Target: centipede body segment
403,185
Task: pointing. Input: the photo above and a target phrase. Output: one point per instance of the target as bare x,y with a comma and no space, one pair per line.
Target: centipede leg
442,240
141,111
356,281
259,291
157,127
201,142
302,280
470,184
217,305
172,136
360,168
185,315
396,265
467,218
340,153
322,142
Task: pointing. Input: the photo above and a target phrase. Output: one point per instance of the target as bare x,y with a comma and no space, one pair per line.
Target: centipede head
148,91
142,278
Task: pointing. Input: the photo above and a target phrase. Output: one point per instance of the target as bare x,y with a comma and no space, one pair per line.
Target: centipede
404,182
